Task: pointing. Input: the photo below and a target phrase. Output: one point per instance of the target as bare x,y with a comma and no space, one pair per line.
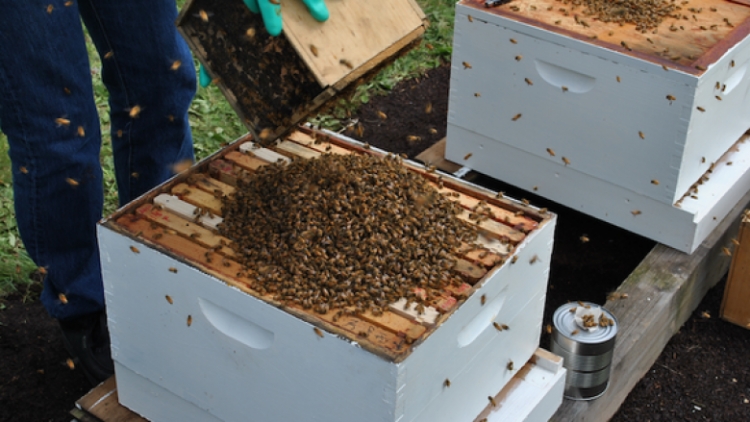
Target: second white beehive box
608,120
193,341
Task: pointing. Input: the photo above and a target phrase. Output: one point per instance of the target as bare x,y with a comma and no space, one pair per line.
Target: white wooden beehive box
602,118
192,340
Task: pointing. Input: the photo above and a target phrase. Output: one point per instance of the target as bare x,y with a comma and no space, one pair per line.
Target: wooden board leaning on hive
180,219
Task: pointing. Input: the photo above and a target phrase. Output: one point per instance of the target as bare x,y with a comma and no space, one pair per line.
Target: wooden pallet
181,218
662,291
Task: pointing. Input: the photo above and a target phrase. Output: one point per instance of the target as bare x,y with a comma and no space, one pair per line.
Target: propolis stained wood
244,355
606,119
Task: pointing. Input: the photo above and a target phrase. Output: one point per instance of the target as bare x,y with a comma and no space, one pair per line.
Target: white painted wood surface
601,165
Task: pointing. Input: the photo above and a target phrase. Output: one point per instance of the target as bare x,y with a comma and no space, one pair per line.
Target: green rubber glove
203,77
272,15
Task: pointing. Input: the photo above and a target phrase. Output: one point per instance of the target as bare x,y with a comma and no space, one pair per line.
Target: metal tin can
587,351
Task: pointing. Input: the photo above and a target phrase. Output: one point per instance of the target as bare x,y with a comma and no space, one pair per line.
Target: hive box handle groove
484,319
561,77
237,327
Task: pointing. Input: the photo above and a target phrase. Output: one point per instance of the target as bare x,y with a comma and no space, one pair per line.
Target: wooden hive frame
180,218
273,83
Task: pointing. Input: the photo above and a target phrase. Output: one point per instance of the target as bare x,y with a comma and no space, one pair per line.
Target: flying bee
528,81
512,40
81,131
564,88
467,156
736,242
169,299
382,115
671,98
584,238
428,108
447,383
71,181
641,135
204,15
519,57
189,320
70,363
516,117
618,79
654,182
50,8
63,299
726,251
476,94
61,121
467,65
175,65
548,328
134,249
413,138
134,111
551,152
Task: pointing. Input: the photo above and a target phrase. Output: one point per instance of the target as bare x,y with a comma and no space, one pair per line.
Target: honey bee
109,54
467,65
509,366
81,131
314,50
119,133
169,299
68,3
528,81
71,181
513,41
533,259
666,69
718,98
624,44
492,401
447,383
50,8
701,109
467,156
514,259
413,138
318,332
566,161
500,195
519,57
347,63
574,332
61,121
134,111
618,79
636,212
551,152
654,182
584,238
671,98
731,64
572,310
726,251
250,32
173,270
382,115
497,326
362,334
548,328
203,15
564,88
736,242
428,108
433,131
557,22
134,249
471,19
641,135
63,299
516,117
189,320
175,65
476,94
483,299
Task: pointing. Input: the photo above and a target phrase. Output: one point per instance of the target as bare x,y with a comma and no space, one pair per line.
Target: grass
214,124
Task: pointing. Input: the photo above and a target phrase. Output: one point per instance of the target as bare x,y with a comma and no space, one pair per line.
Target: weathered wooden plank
662,293
735,307
102,403
435,156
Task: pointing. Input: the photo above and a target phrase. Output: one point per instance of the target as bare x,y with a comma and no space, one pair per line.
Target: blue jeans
47,110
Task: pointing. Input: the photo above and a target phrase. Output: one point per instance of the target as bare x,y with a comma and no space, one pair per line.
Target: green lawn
214,123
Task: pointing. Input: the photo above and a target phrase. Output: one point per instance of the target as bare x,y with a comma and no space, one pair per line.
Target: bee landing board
189,328
275,82
605,119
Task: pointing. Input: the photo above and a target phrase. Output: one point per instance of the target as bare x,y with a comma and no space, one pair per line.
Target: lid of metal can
583,323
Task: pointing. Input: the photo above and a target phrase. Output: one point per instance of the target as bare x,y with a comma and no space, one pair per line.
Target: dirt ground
702,375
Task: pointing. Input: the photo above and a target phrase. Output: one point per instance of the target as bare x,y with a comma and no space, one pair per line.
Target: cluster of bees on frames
344,232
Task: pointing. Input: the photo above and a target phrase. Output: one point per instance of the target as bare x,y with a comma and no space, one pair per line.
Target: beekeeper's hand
271,12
